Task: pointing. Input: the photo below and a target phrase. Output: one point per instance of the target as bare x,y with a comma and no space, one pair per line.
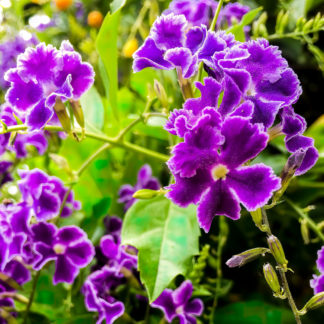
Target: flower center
59,248
179,310
219,172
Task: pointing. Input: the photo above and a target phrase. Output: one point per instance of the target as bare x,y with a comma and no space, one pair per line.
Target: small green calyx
271,278
278,252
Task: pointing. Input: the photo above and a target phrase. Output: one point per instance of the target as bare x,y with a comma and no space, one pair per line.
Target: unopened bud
78,112
304,230
160,93
241,259
146,194
271,277
62,115
315,302
277,251
9,281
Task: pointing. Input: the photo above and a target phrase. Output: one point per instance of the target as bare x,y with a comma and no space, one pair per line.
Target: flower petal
253,185
217,201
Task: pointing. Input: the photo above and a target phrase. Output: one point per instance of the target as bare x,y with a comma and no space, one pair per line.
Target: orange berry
130,47
95,19
63,4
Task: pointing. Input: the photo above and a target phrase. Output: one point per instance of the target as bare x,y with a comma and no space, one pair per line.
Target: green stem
111,140
221,242
283,276
31,297
291,35
218,9
309,221
289,295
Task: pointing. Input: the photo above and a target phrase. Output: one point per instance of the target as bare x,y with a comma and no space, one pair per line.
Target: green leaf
93,109
300,8
238,29
106,45
166,237
253,312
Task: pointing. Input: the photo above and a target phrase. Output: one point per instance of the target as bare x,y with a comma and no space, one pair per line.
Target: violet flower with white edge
196,12
177,304
14,222
9,51
45,195
97,292
68,246
145,180
215,177
43,75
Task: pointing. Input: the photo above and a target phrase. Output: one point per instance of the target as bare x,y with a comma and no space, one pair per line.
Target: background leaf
238,29
93,109
106,45
166,237
253,312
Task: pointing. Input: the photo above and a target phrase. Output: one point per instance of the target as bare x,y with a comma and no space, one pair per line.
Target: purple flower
232,12
45,194
117,256
5,175
209,170
68,246
14,219
36,138
97,290
177,304
257,72
16,271
144,181
172,45
317,283
43,75
196,12
9,52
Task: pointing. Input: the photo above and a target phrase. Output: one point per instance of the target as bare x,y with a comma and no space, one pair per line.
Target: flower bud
146,194
304,231
9,281
62,115
78,112
315,302
130,47
160,93
277,251
272,280
241,259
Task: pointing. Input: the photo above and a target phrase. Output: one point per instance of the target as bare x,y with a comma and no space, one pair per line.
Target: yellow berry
130,47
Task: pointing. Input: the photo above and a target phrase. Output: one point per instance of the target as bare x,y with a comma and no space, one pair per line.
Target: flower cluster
317,283
46,77
249,87
26,239
200,13
144,181
116,263
177,304
173,44
9,52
